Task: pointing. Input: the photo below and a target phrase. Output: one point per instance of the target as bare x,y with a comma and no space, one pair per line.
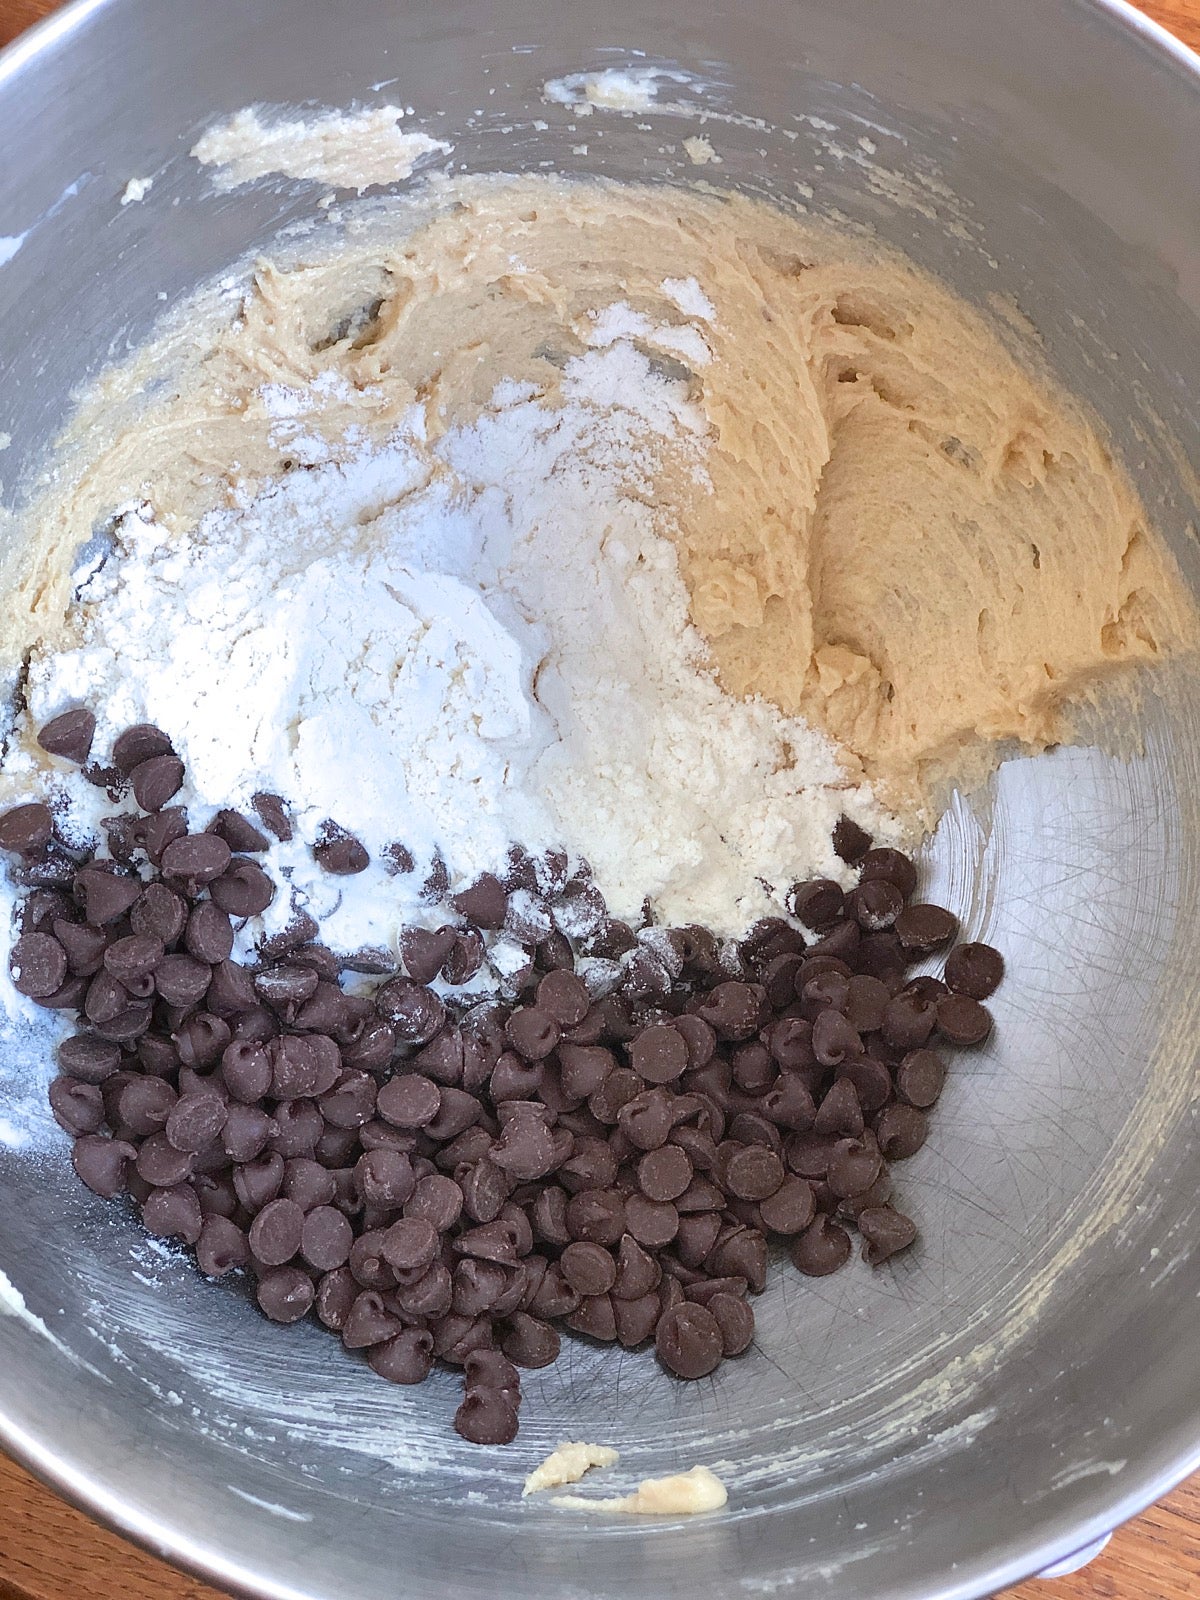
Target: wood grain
50,1551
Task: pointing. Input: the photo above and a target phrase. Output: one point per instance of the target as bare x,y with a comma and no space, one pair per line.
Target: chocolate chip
409,1100
700,1038
908,1020
486,1417
963,1020
583,1068
308,1184
659,1054
78,1107
285,1294
38,965
383,1178
891,865
325,1238
156,780
876,905
244,891
790,1042
88,1058
789,1103
338,851
102,1163
850,842
597,1215
246,1070
181,980
634,1321
196,1120
173,1213
246,1131
133,958
137,744
665,1173
106,996
159,913
458,1111
423,950
564,996
273,813
415,1013
588,1268
533,1032
790,1209
735,1320
160,831
750,1171
105,895
221,1247
195,860
528,1341
619,1088
817,904
646,1119
842,941
653,1223
69,735
407,1357
26,829
437,1200
922,928
866,1002
975,970
827,991
526,1149
834,1038
732,1009
821,1249
511,1132
840,1112
901,1131
465,958
872,1087
159,1163
485,902
594,1316
920,1077
885,1231
688,1340
853,1168
430,1295
258,1181
336,1293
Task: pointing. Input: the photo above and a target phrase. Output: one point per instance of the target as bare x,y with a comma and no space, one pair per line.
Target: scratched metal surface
1027,1376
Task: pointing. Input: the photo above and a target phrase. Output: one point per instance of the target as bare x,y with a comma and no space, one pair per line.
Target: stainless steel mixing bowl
1029,1376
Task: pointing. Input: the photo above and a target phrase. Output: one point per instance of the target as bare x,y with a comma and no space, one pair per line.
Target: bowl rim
1059,1537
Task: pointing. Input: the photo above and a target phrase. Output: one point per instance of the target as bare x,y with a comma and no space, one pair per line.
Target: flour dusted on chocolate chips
457,644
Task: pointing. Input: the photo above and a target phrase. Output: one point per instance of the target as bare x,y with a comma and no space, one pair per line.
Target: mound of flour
456,645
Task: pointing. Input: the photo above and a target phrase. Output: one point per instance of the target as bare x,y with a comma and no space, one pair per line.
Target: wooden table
49,1551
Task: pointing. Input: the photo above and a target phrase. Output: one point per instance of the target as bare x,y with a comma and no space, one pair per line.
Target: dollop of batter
568,1464
683,1494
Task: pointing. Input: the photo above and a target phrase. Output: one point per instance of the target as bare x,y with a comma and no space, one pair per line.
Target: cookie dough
898,532
568,1464
684,1494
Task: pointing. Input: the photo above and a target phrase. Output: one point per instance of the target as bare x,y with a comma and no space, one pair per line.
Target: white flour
457,646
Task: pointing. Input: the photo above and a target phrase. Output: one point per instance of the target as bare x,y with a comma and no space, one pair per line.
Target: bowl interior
933,1430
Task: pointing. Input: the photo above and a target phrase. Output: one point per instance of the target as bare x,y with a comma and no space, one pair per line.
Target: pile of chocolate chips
610,1147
